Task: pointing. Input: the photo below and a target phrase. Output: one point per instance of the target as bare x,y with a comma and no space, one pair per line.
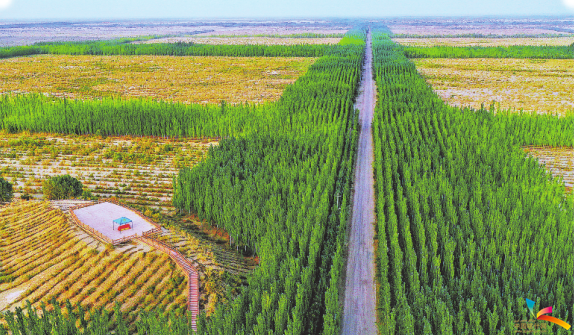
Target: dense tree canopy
513,51
6,191
61,187
468,225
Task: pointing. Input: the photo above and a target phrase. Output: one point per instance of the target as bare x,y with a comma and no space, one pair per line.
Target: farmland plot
533,85
558,160
44,257
255,40
137,170
183,79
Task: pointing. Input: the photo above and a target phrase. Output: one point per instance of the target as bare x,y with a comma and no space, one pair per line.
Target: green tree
6,192
62,187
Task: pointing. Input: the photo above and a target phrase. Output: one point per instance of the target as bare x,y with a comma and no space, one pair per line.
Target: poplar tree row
513,51
468,226
283,191
142,117
124,47
280,185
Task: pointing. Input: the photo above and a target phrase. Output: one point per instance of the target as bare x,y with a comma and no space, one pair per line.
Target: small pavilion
123,223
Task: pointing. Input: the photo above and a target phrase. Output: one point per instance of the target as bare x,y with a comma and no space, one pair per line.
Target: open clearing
559,161
138,170
183,79
533,85
485,42
244,40
100,217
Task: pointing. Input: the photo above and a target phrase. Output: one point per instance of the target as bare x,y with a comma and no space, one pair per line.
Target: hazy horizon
37,10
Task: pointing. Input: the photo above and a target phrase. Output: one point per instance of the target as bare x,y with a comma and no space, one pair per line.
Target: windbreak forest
279,184
468,226
513,51
123,47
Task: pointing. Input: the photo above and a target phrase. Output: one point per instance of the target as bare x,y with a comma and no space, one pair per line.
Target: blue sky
117,9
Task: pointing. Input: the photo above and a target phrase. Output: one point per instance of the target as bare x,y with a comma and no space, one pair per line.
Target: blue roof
122,220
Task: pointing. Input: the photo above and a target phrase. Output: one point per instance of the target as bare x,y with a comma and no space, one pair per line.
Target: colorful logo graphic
540,315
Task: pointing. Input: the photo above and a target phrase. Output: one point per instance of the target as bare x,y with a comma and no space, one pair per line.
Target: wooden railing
90,230
104,238
187,267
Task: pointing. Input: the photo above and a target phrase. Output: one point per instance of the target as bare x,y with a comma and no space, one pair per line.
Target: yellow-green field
183,79
544,86
255,40
485,42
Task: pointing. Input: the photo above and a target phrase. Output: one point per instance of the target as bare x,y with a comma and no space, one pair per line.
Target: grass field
533,85
257,40
137,170
485,42
44,257
182,79
559,161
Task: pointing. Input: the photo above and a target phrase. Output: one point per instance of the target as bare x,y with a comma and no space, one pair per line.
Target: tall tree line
124,47
468,226
280,185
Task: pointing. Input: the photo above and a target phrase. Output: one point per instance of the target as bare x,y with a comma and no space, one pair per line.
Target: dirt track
359,314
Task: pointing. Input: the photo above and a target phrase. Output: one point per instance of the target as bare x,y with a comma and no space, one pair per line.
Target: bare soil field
244,40
135,169
482,26
182,79
100,217
486,42
544,86
26,33
559,161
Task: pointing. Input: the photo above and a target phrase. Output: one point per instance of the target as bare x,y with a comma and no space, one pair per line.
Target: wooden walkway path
187,267
184,264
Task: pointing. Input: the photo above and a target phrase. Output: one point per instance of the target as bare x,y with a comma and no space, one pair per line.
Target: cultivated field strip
558,160
485,42
135,169
540,85
41,255
244,40
180,79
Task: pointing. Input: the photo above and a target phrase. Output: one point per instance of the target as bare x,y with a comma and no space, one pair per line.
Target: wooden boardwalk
147,237
187,267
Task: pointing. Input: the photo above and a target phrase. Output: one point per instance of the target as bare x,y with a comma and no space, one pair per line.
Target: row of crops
468,226
41,254
124,47
281,189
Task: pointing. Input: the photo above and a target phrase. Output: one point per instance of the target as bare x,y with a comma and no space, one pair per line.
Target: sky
159,9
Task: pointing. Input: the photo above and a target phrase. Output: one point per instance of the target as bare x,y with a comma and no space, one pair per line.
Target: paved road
359,314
